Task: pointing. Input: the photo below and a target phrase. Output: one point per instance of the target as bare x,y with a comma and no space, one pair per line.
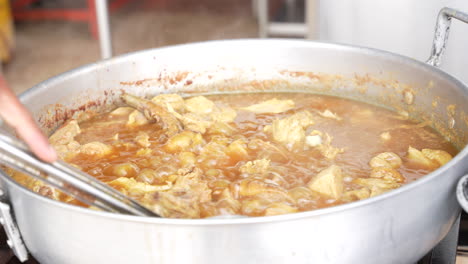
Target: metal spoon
81,186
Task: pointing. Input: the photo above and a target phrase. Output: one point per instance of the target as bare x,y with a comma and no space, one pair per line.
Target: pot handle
442,31
462,192
14,239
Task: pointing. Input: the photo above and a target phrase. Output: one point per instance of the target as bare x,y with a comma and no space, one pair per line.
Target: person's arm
18,117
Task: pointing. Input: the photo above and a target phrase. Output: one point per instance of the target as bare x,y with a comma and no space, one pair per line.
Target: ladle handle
442,32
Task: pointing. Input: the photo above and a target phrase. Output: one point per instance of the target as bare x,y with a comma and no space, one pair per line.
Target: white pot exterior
401,26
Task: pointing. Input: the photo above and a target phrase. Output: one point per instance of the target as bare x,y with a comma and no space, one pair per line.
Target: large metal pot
400,226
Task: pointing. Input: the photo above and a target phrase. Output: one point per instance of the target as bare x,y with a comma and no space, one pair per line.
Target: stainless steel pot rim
249,220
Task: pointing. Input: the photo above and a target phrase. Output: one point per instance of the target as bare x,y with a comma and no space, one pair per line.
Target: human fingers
18,117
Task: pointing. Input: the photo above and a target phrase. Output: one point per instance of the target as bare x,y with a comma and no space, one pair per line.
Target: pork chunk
256,186
416,156
376,183
224,115
357,194
142,139
199,105
63,140
259,166
184,141
122,111
439,156
430,158
195,123
154,112
226,204
386,159
273,106
136,118
329,114
65,134
279,209
174,101
386,173
184,198
290,130
135,189
96,149
328,182
322,142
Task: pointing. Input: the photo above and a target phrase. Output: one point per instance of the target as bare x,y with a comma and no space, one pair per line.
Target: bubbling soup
255,154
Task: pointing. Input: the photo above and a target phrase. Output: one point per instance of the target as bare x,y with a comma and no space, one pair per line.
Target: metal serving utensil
81,186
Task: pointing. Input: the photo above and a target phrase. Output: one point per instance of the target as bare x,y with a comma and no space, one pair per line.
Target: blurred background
53,36
42,38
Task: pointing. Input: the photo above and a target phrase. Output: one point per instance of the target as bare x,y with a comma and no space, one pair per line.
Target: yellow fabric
6,31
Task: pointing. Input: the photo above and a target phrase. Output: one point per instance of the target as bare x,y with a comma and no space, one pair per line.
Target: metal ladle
81,186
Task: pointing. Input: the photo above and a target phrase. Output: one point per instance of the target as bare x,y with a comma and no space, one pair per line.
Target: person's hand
18,117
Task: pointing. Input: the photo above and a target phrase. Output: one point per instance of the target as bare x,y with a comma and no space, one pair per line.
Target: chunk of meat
280,208
195,123
273,106
259,166
199,105
322,142
375,190
156,177
153,111
122,111
214,152
142,139
227,205
33,184
267,150
68,151
376,186
416,156
328,182
135,189
439,156
314,140
184,141
202,122
174,101
358,194
256,186
65,134
290,130
144,152
202,114
63,140
385,165
237,150
221,128
126,169
385,136
386,159
303,196
187,158
254,207
329,114
184,198
136,118
387,173
224,115
95,148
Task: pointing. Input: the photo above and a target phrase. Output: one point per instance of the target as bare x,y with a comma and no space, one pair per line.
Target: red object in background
21,11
